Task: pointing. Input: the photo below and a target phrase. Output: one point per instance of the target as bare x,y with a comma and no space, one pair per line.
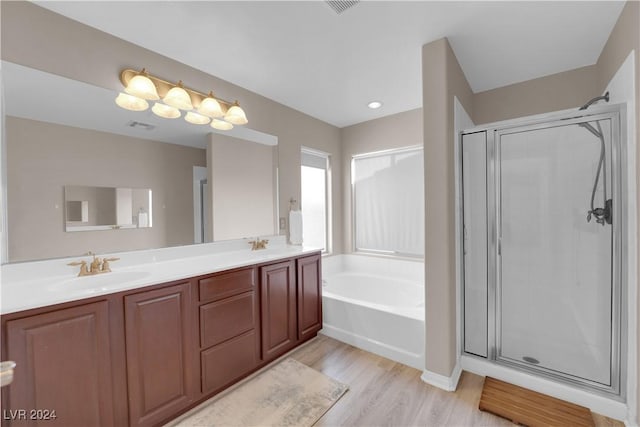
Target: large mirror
64,137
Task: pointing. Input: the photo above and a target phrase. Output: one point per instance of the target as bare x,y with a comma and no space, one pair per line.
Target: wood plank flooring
386,393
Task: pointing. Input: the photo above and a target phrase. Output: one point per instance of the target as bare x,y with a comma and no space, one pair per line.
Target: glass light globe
142,87
236,115
210,107
179,98
132,103
197,119
165,111
221,124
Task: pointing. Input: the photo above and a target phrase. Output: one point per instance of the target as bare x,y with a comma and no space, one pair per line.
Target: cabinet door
278,303
159,352
309,297
63,365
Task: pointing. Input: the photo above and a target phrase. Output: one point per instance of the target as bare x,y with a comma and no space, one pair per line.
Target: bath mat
288,394
530,408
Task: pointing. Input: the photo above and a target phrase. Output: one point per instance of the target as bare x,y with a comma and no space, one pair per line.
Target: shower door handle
499,247
464,239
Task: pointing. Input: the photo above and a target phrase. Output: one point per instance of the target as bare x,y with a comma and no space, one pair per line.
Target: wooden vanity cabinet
141,357
63,375
158,340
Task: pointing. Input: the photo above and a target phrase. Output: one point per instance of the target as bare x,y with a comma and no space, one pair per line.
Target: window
315,199
388,202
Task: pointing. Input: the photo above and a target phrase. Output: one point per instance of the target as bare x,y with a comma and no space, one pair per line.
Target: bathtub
376,304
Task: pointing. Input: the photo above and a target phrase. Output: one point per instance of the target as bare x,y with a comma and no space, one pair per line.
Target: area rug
288,394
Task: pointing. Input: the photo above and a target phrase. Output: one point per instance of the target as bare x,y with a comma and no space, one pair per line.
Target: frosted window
314,199
388,193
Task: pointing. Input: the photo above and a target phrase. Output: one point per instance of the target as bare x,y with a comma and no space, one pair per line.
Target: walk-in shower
542,230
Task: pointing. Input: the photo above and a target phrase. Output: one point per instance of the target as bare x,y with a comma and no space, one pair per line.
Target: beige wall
442,79
45,157
395,131
242,187
550,93
37,38
624,38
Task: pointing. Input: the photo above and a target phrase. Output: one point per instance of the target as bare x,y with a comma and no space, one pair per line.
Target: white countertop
41,283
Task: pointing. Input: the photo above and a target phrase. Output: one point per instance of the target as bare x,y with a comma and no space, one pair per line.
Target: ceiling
328,65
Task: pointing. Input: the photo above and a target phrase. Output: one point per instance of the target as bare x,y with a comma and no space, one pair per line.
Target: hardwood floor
386,393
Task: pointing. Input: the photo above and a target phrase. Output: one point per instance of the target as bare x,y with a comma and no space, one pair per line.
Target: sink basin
98,283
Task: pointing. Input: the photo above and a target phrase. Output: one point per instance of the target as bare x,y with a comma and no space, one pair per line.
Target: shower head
596,99
586,125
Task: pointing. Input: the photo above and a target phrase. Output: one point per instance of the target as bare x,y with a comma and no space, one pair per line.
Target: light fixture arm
163,86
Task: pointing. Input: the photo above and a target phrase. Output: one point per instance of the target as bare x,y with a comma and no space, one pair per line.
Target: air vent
140,125
340,6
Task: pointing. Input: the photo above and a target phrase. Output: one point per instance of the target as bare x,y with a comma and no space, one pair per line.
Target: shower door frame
618,368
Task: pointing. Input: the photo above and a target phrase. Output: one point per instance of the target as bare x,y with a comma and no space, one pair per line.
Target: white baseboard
443,382
390,352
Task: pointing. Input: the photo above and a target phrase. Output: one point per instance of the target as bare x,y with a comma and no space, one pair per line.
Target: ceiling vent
140,125
340,6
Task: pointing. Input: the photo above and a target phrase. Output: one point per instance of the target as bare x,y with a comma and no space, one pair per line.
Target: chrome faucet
96,266
258,244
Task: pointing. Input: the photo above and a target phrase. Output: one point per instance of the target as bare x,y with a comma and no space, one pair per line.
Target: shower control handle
602,215
608,210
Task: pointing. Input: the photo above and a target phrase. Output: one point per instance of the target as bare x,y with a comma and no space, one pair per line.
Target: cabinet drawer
227,284
225,363
227,318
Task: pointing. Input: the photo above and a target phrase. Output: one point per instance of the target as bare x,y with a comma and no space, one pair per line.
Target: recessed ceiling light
374,104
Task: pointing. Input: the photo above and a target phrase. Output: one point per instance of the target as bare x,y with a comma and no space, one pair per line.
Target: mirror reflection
105,208
60,132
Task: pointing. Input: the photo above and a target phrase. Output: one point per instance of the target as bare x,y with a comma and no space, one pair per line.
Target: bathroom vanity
143,355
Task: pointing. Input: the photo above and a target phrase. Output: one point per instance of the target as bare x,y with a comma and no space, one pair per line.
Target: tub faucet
258,244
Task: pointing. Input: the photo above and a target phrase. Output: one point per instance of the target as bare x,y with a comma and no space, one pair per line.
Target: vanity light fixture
165,111
140,86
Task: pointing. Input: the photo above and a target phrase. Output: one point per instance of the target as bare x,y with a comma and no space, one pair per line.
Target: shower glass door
555,292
